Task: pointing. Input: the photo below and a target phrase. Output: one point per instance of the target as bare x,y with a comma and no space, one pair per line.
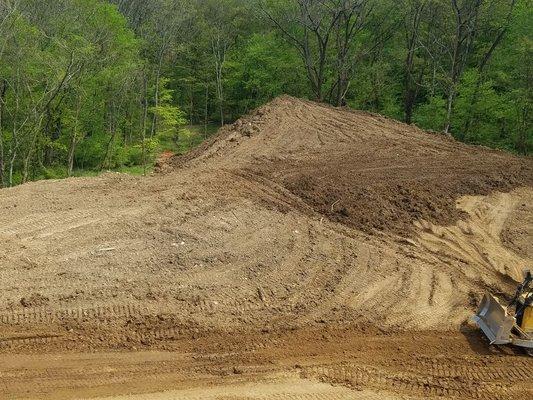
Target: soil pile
242,236
334,241
360,169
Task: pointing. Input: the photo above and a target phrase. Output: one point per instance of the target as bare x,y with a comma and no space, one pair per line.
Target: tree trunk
3,88
219,52
449,109
343,80
524,126
112,133
144,118
29,155
206,110
465,31
105,161
471,108
191,105
153,130
11,166
73,143
454,72
220,91
410,94
481,67
26,167
410,85
71,153
344,35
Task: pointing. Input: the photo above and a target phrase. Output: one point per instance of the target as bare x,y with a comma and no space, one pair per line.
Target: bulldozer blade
494,320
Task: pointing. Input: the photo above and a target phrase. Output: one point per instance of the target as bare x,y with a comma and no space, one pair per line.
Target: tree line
95,84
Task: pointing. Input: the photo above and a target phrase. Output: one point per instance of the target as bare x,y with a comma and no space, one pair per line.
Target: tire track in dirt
447,381
476,241
46,224
276,389
28,341
17,327
44,315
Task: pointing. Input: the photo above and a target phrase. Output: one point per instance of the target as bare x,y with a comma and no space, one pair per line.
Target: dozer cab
511,323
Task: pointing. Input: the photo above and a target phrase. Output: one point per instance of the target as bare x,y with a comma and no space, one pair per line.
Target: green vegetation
92,85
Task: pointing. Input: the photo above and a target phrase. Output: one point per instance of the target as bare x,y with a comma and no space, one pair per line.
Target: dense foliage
94,84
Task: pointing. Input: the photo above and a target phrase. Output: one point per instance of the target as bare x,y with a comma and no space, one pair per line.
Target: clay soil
306,252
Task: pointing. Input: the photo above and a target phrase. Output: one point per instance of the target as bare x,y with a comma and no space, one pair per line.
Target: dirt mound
259,242
360,169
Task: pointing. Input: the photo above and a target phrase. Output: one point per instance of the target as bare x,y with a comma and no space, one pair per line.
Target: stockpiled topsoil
363,170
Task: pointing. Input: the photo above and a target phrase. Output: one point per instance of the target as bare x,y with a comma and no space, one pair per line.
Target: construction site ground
305,252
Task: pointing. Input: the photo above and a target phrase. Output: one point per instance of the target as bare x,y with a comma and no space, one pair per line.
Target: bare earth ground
307,252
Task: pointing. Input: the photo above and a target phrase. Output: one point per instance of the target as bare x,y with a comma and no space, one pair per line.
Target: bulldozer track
9,342
445,381
520,369
31,316
310,396
48,224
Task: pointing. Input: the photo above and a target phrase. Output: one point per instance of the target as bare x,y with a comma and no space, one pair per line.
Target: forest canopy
90,85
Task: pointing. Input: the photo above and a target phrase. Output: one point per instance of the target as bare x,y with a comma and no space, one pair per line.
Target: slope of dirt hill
363,170
286,240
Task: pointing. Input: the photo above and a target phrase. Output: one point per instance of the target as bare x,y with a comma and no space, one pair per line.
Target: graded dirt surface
323,364
306,252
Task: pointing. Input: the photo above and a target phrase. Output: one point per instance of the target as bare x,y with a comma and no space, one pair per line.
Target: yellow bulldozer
510,323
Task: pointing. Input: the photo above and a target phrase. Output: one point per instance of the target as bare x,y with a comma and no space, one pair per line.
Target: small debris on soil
35,300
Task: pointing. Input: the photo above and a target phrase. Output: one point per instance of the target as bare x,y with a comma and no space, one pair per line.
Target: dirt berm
364,170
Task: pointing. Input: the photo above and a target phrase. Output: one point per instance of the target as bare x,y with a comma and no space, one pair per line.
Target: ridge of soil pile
360,169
